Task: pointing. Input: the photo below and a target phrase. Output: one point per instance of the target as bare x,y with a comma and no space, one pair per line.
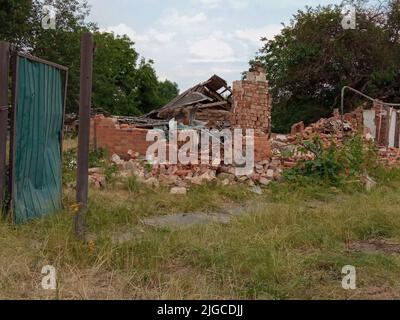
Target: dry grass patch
292,245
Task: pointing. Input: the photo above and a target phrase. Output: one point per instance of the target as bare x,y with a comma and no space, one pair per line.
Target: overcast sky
190,40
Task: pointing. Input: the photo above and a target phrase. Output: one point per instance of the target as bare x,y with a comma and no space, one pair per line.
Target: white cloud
235,4
205,46
123,29
152,36
161,37
226,70
178,20
254,35
211,49
196,74
239,4
210,3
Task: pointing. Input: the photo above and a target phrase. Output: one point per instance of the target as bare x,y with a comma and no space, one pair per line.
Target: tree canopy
314,57
124,83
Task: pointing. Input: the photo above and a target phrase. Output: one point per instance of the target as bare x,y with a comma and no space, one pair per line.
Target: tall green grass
292,245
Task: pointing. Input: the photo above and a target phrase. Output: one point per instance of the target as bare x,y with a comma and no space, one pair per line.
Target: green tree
148,87
61,45
115,75
121,84
167,91
314,57
14,15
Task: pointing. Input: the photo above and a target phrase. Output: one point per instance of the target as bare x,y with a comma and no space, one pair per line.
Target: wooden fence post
4,76
84,132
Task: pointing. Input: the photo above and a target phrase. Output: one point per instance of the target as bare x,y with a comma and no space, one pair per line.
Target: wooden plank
82,187
4,76
214,104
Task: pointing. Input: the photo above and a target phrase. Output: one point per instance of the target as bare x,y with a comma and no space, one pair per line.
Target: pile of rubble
333,130
286,148
287,152
389,157
336,127
179,177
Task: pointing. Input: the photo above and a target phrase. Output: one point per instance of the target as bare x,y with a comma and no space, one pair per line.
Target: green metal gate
36,146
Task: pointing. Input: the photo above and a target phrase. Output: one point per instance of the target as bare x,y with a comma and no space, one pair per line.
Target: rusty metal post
84,132
4,76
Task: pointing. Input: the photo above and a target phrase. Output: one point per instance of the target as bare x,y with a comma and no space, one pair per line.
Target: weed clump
335,165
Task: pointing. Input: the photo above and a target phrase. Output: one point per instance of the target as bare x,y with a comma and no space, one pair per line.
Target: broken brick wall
386,125
252,102
119,139
262,147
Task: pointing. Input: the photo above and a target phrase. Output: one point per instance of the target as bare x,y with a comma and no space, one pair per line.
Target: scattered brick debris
286,149
214,105
390,157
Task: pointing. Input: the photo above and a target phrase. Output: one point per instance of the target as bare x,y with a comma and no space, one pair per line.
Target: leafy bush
334,165
97,159
109,172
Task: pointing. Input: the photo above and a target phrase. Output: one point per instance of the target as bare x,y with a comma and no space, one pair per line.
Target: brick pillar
252,102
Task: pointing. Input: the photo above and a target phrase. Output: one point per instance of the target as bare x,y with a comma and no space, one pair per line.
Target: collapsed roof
208,104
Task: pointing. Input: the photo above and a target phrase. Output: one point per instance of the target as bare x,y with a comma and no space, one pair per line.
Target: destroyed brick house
211,104
247,105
